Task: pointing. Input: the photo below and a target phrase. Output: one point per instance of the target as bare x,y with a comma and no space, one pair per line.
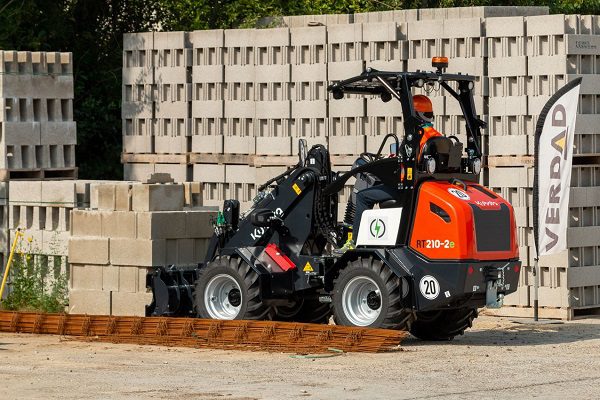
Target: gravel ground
498,358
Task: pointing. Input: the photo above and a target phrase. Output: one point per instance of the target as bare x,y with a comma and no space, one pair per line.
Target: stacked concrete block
207,91
309,85
272,92
138,98
172,62
36,121
135,227
240,105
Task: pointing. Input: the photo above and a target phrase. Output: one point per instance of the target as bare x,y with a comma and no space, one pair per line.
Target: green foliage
93,31
33,288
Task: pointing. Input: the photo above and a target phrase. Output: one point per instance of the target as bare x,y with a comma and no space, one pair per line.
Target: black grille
492,228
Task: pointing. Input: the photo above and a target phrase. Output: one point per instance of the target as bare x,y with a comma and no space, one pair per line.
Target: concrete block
118,224
509,177
508,66
583,236
130,304
240,109
272,109
207,109
207,38
312,35
25,192
548,65
309,109
128,279
208,73
137,172
123,197
239,37
505,27
138,144
161,225
383,32
86,250
137,252
241,173
546,25
239,145
198,224
509,145
272,145
86,277
89,302
110,278
309,73
337,71
59,193
209,172
240,73
271,37
157,197
419,30
350,33
212,144
273,73
86,223
106,196
351,107
468,27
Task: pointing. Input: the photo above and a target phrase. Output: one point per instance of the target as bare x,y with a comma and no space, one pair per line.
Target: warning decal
296,188
308,267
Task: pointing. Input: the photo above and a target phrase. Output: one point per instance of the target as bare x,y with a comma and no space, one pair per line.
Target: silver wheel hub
222,297
361,301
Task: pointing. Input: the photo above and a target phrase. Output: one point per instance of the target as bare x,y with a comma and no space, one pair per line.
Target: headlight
476,166
430,165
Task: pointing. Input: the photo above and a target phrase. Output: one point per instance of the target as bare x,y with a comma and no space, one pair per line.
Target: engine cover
454,223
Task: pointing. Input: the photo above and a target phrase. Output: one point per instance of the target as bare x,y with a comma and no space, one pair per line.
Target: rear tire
368,294
307,309
443,324
227,288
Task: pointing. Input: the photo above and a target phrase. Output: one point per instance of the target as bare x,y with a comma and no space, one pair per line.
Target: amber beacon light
439,62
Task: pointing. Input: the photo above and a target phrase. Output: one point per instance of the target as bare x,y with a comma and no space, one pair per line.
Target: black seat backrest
446,152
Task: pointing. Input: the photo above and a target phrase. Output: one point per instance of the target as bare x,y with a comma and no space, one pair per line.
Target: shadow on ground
520,334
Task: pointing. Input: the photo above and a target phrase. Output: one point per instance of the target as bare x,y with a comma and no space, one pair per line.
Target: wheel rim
223,297
361,301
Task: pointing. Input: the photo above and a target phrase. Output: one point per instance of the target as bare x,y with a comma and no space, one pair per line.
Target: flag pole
536,285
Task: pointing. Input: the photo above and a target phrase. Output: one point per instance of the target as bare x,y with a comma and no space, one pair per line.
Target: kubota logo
377,228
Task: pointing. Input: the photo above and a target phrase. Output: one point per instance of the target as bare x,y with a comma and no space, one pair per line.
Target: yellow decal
296,188
349,235
409,174
308,267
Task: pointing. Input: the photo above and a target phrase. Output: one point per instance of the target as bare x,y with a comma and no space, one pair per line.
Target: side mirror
262,217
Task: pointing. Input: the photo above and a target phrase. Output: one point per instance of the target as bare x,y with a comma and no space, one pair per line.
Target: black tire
250,303
392,314
443,324
307,309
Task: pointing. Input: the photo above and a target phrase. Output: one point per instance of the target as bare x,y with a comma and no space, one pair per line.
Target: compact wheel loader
424,261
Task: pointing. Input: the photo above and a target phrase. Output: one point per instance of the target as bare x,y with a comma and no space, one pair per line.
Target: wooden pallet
38,174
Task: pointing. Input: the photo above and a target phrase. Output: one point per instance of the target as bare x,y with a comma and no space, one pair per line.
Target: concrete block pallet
38,134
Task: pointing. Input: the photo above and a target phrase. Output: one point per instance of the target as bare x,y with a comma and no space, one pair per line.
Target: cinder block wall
255,92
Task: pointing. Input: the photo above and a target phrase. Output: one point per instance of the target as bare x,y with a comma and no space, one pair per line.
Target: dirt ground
498,358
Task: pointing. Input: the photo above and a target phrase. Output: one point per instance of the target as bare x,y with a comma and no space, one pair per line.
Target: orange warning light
439,62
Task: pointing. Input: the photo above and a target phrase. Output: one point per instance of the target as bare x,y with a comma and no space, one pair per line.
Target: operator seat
392,203
445,151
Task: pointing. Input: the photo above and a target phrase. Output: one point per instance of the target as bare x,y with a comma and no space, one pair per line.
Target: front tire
227,288
444,324
368,294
